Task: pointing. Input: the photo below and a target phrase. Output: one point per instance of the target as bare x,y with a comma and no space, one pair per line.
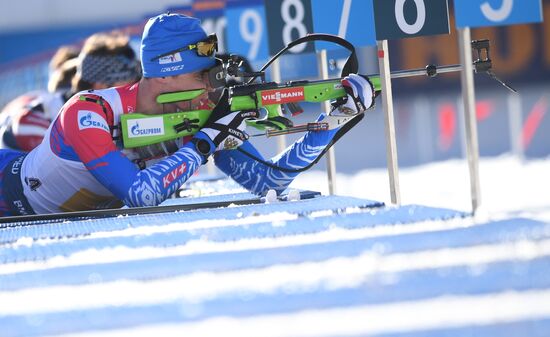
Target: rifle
275,98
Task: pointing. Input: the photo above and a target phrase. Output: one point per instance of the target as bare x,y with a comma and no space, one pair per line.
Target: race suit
24,121
79,165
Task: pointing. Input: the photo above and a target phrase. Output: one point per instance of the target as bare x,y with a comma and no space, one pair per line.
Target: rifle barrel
424,71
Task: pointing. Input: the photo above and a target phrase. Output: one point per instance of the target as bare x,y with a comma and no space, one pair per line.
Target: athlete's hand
360,94
225,129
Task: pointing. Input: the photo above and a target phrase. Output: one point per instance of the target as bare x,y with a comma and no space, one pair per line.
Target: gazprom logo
139,131
91,120
145,127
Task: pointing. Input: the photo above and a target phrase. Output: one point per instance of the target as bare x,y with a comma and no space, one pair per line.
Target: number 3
500,14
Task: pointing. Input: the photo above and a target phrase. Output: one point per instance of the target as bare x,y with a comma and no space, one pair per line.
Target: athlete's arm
281,170
87,133
257,177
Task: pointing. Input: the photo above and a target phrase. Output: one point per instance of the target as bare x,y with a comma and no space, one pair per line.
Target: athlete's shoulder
87,110
128,97
83,128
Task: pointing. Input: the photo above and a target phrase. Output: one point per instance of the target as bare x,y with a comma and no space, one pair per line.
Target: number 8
292,23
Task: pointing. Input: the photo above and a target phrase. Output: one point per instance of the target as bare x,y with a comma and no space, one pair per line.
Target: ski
37,219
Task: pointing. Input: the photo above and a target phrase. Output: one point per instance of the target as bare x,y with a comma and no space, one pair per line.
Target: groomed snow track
321,266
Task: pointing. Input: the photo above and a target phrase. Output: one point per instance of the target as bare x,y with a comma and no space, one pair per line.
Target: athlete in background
63,54
81,164
20,127
24,121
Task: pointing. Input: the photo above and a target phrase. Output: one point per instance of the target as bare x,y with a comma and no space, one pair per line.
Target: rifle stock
142,130
271,96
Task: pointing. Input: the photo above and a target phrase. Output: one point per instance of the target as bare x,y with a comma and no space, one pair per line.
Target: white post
423,111
468,96
387,103
462,126
276,77
331,159
516,122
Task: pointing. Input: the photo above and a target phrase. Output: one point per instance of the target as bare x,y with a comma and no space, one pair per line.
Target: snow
299,268
509,185
431,314
329,275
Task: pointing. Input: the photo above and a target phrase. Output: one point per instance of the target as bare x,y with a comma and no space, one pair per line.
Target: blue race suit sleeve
151,186
257,177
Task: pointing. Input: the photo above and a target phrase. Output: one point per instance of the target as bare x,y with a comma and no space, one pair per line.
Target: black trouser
13,189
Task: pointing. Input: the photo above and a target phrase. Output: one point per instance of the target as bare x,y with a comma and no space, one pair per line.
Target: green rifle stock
141,129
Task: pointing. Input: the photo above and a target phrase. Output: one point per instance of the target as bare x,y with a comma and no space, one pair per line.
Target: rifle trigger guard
187,125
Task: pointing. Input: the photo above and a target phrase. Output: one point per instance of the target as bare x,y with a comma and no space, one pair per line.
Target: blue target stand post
398,19
353,21
484,13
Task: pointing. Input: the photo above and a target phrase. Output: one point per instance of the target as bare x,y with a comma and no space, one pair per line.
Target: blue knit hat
167,32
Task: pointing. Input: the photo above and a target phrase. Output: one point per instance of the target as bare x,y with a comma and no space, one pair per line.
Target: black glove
225,129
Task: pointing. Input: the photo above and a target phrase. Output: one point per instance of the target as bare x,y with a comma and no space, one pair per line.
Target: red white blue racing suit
78,165
24,121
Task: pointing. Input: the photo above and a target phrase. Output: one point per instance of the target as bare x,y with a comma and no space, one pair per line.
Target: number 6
420,18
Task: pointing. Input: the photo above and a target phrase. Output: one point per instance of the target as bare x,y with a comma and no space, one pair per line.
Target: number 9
252,36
